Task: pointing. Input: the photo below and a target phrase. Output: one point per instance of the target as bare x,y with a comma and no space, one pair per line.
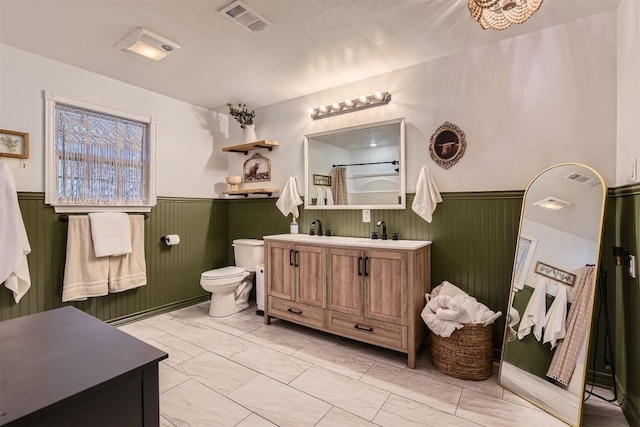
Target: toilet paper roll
171,239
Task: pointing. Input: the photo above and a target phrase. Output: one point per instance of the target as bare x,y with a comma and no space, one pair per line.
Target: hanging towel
534,314
329,195
320,196
289,199
14,243
85,275
512,319
130,270
554,321
427,195
566,355
111,233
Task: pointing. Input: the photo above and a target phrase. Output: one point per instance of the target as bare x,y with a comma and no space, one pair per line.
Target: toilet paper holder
170,239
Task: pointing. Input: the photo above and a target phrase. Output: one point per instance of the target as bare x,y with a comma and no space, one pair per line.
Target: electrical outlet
632,266
366,215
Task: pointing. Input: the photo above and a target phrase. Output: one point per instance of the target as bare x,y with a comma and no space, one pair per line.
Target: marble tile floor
236,371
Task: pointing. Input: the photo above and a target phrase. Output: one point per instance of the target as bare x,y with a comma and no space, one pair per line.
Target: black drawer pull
363,328
359,266
366,259
295,258
291,310
291,257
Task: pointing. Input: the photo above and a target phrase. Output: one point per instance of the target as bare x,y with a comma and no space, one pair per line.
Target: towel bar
65,217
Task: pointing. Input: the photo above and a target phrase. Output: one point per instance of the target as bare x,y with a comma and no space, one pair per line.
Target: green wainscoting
173,273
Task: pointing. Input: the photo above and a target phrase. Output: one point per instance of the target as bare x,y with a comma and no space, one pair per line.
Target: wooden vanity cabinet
374,295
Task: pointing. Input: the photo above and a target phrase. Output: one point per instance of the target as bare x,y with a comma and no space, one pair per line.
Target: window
97,159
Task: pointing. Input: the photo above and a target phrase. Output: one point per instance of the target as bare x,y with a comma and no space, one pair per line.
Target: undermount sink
350,241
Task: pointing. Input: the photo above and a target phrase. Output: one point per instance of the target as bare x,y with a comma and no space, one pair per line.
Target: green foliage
242,114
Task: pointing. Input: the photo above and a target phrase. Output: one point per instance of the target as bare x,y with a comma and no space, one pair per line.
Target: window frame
50,170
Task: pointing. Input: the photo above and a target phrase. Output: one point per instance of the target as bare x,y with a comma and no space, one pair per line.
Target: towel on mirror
111,233
85,275
534,314
554,321
427,195
320,196
289,199
130,270
512,319
14,243
329,196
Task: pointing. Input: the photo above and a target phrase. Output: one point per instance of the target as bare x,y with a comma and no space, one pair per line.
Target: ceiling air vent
244,16
583,179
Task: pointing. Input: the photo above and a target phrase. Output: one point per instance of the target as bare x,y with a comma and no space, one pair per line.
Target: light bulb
379,95
373,144
363,99
336,106
323,109
312,111
348,103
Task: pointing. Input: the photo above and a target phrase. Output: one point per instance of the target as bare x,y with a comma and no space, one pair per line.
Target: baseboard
631,413
157,310
602,379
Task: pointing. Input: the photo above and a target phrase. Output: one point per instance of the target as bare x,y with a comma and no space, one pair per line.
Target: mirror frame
402,167
591,308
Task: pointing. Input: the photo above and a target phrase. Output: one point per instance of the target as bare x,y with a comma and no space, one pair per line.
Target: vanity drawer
374,332
296,312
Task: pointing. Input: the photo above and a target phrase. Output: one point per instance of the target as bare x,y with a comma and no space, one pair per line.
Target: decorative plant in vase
245,117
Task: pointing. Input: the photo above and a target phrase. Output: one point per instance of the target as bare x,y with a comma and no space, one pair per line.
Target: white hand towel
320,196
14,243
427,195
534,314
130,271
329,195
555,320
289,199
111,233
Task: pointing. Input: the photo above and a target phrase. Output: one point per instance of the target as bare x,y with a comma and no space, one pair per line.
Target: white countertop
350,241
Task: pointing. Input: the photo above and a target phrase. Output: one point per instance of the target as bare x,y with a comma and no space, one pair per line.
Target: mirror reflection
359,167
552,292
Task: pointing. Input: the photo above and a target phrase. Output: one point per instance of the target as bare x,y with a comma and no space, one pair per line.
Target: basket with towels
461,333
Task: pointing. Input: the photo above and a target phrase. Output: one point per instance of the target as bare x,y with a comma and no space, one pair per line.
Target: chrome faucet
319,226
384,229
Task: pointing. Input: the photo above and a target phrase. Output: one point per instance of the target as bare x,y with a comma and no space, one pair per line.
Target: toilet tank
248,253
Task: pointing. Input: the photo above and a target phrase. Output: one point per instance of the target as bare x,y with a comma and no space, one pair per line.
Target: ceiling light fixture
500,14
552,203
349,105
146,45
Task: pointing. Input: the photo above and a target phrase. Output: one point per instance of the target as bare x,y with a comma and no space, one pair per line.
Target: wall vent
583,179
244,16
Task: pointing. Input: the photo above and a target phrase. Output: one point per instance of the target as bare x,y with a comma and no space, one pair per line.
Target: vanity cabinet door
310,274
385,286
345,274
280,270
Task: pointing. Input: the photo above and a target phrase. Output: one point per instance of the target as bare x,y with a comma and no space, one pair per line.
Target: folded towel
14,243
427,195
111,233
85,275
130,270
329,196
320,196
555,320
289,199
534,314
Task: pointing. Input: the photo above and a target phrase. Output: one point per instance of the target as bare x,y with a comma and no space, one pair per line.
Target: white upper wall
524,104
187,163
628,156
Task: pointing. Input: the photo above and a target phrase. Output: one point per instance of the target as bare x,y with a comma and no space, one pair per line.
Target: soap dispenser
294,226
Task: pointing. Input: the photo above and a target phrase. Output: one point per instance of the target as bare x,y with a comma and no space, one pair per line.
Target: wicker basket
467,354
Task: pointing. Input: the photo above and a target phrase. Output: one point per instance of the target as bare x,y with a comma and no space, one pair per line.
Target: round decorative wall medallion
447,145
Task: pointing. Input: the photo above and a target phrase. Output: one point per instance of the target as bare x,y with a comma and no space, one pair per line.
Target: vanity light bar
349,105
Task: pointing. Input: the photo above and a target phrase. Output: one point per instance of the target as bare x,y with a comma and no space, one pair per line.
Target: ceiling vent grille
583,179
244,16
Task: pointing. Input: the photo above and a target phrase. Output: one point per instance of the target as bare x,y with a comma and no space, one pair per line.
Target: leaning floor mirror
544,353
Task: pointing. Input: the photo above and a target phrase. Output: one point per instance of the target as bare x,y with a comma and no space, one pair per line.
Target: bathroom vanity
367,290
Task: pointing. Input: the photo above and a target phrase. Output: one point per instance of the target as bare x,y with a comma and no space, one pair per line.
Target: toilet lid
223,273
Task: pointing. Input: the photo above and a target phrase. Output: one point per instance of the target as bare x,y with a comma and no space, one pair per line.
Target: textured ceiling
312,45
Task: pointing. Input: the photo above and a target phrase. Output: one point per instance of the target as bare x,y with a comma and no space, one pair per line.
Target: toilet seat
223,276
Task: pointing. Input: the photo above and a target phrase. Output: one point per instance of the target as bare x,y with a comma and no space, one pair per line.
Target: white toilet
230,286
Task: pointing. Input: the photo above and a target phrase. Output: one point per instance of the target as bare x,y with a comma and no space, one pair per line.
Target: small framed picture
14,144
256,169
322,180
555,273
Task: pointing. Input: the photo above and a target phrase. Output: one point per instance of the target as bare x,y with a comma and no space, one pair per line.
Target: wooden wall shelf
245,148
248,191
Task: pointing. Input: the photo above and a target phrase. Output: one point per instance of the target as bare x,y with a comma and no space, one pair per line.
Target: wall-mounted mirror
544,355
360,167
